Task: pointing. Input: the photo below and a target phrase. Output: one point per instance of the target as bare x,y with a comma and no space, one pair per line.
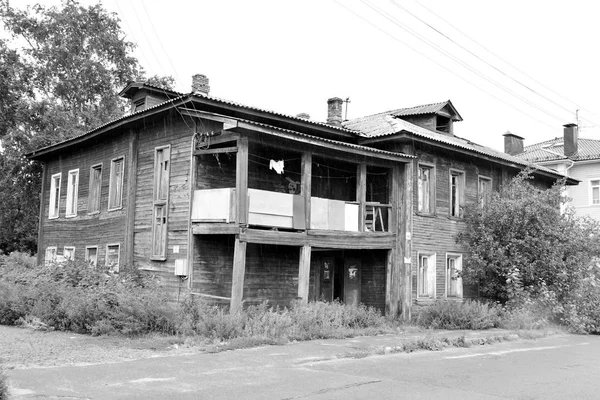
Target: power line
458,61
501,59
441,65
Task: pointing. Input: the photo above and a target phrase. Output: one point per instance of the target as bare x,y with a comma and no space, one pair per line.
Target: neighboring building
570,155
248,205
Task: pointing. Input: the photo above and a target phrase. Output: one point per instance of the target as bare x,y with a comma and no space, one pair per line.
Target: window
115,187
162,167
50,255
91,256
426,187
594,191
457,184
95,188
485,190
113,253
72,185
453,278
54,196
69,253
426,276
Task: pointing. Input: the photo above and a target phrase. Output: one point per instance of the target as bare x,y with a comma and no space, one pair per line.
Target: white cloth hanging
277,166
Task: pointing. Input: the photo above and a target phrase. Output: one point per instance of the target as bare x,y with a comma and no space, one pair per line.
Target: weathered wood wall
99,229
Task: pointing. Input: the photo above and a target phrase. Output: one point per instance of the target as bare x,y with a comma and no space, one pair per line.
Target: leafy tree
522,246
164,82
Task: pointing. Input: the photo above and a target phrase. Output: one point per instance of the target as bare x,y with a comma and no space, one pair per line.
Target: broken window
485,190
457,189
72,189
377,206
50,255
426,189
426,275
162,168
113,254
95,188
91,256
115,190
453,278
53,208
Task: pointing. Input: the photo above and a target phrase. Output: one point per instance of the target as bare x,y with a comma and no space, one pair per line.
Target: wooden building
242,205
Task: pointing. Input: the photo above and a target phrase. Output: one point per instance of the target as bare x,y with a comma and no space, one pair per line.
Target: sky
523,66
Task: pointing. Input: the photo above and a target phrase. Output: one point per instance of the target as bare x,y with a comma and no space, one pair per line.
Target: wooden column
40,245
131,195
192,185
405,233
237,280
306,185
361,194
394,262
241,182
304,273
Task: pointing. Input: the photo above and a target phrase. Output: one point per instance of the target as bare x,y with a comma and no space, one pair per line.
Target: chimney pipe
200,84
513,144
571,137
334,111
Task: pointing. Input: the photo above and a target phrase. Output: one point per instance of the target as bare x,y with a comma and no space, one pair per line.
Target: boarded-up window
72,190
95,188
115,189
485,190
91,255
453,277
425,189
162,167
112,257
426,276
54,196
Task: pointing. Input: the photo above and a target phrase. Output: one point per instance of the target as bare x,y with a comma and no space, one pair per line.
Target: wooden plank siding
98,229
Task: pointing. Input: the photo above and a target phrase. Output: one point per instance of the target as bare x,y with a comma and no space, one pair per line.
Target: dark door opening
339,279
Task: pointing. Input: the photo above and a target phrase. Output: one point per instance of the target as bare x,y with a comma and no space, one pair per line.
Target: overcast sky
517,65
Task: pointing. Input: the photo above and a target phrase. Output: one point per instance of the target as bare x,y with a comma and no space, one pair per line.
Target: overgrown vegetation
4,394
534,258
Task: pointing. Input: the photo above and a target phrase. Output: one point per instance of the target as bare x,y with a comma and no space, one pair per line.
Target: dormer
437,117
142,95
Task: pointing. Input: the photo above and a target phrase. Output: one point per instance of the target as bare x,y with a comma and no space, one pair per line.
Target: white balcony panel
270,208
213,205
351,217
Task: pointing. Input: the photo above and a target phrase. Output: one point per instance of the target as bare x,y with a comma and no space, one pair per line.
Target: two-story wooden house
242,205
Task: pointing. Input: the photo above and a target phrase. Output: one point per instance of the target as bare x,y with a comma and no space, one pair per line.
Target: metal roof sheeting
587,149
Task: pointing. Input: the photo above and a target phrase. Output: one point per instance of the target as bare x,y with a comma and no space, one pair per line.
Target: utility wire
499,58
441,65
457,60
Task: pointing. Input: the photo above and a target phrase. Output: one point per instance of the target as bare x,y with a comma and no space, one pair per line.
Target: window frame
87,255
46,261
591,191
54,202
160,201
111,268
456,211
432,187
483,200
71,249
458,267
72,193
111,183
430,293
98,201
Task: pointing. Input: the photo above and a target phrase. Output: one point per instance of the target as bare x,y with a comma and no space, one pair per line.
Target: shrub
458,315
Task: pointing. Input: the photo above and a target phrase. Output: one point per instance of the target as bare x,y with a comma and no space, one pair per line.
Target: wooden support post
361,194
394,262
192,188
405,234
304,273
40,246
241,184
131,195
237,280
306,185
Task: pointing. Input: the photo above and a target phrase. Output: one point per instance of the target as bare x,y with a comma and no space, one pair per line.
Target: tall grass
4,394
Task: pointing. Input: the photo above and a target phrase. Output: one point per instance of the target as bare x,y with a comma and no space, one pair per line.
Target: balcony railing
287,211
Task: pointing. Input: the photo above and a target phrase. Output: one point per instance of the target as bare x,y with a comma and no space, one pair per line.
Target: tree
522,246
60,79
163,82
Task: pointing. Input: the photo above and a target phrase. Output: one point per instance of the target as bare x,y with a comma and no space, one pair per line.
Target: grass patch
4,394
459,315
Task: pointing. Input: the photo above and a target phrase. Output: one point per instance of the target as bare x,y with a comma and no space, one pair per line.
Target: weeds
459,315
4,394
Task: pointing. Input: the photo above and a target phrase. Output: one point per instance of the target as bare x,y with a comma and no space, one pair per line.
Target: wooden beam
200,228
361,194
262,236
241,181
232,149
306,185
40,245
237,280
304,274
131,195
208,115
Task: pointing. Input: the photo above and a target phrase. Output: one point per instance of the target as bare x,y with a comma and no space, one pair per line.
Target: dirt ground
23,348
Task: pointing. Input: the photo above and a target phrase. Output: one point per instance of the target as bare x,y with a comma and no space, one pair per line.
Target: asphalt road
557,367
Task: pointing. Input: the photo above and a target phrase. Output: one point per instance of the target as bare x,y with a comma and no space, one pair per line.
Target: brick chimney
303,115
334,111
200,84
571,136
513,144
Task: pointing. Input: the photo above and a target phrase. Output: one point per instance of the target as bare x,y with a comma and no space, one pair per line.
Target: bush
459,315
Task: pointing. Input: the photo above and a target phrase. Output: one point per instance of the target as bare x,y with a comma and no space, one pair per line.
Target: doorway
339,279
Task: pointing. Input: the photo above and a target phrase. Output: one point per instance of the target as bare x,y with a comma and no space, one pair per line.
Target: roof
554,150
433,108
132,87
381,125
